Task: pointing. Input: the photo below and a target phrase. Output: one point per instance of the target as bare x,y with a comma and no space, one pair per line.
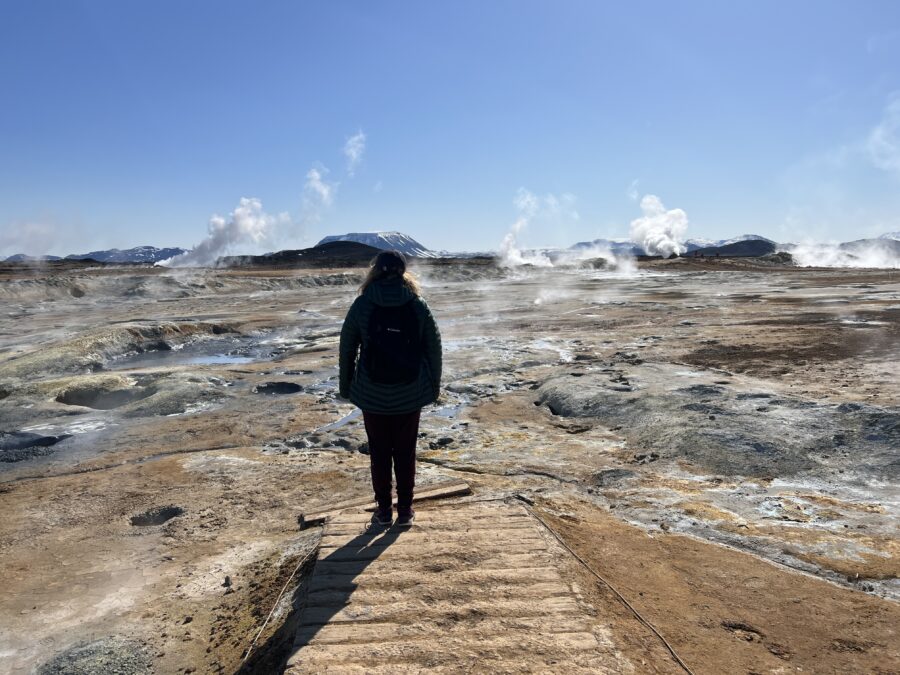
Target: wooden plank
577,664
420,610
364,595
449,514
399,551
413,537
468,584
372,537
436,491
406,578
462,530
388,632
501,560
425,519
421,522
448,649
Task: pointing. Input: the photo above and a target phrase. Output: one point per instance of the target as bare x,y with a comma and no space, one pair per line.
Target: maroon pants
392,438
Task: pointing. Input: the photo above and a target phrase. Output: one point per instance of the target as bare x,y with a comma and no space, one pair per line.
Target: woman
390,366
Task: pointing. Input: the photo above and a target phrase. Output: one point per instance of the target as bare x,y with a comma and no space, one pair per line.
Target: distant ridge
698,244
396,241
886,245
744,248
138,254
24,257
329,254
626,247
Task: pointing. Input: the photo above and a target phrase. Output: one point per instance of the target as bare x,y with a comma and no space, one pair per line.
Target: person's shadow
310,614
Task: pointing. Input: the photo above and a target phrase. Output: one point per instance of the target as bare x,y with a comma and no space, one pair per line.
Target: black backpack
393,354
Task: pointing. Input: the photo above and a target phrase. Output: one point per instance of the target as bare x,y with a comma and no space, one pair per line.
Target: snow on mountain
138,254
745,237
700,242
891,235
390,241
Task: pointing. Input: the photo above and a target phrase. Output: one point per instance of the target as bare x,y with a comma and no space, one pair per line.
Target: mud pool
160,433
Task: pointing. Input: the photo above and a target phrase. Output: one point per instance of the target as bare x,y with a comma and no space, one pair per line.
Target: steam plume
873,253
530,206
527,204
633,193
30,238
248,223
884,141
659,231
353,151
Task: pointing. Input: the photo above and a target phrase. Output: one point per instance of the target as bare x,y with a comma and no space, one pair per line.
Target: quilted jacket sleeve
433,351
351,338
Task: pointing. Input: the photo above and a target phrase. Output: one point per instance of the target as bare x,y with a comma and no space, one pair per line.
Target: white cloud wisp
354,149
883,143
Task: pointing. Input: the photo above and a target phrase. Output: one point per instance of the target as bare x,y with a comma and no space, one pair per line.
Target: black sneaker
405,517
383,517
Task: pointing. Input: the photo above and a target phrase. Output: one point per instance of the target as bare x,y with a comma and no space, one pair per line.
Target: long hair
378,271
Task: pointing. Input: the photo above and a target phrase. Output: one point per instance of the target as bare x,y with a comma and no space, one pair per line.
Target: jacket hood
389,292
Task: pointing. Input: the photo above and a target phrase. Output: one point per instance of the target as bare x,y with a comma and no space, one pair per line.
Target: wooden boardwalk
469,588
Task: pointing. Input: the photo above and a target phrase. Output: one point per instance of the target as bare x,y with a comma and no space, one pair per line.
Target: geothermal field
718,439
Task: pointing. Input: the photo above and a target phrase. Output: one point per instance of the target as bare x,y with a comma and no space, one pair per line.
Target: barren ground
718,440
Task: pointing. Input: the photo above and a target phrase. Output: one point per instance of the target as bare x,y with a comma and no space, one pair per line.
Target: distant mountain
138,254
698,244
23,257
329,254
891,235
626,247
396,241
746,237
743,248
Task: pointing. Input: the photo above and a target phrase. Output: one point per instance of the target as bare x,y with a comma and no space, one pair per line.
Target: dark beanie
390,261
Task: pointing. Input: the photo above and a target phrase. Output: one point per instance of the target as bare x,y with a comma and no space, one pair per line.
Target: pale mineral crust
718,438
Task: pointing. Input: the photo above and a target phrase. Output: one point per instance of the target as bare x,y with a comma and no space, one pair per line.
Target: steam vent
689,461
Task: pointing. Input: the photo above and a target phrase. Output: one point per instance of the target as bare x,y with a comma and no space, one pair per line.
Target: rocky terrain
718,437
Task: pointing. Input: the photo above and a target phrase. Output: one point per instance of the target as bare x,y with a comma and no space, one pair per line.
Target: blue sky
126,123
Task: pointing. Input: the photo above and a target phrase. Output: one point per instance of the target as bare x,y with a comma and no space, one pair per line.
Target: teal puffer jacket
355,384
